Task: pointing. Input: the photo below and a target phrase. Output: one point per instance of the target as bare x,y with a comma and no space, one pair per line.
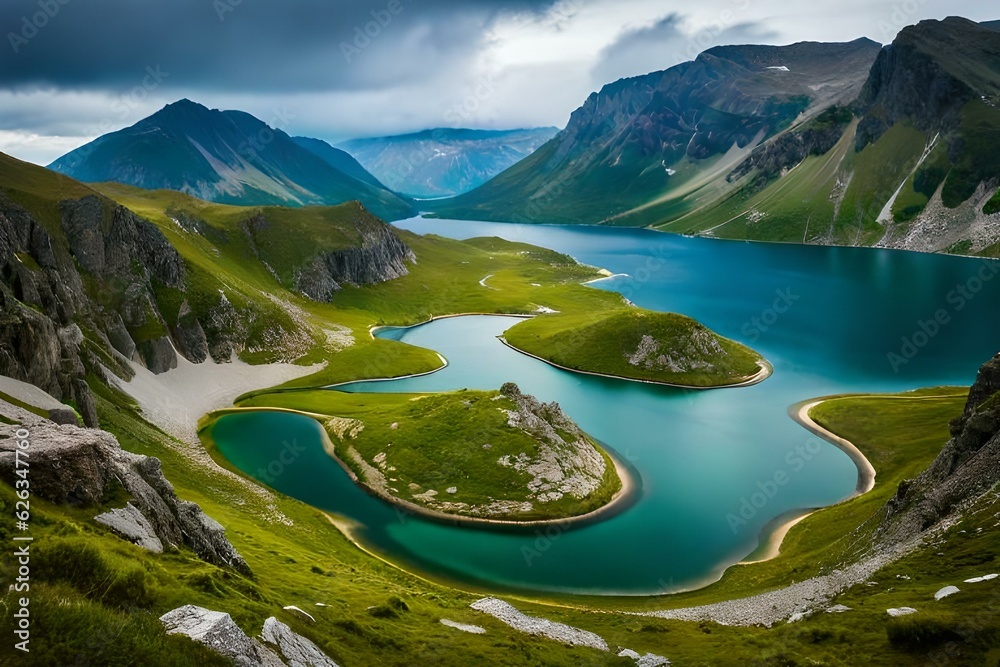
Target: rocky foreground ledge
82,466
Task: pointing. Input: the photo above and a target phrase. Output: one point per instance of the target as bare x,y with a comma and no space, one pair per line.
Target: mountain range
820,143
444,162
228,157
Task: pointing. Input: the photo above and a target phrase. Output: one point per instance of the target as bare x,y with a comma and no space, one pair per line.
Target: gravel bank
539,627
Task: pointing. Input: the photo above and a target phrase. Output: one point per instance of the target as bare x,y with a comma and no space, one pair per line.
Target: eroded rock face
967,467
218,631
81,467
563,465
381,256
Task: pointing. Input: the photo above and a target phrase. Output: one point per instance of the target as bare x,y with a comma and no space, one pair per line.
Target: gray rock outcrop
380,256
539,627
80,467
967,467
218,631
130,524
296,649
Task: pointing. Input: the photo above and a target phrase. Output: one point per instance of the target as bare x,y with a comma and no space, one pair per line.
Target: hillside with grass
633,150
638,344
481,456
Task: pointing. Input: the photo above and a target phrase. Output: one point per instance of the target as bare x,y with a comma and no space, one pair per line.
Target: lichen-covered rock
81,466
130,524
296,649
218,631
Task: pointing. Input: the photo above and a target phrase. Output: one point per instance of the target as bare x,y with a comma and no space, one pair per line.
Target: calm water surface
827,318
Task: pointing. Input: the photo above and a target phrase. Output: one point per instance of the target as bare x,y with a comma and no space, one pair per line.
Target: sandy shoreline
866,471
619,502
765,372
776,532
866,480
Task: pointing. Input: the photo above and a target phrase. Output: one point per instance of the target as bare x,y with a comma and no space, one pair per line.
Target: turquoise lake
830,320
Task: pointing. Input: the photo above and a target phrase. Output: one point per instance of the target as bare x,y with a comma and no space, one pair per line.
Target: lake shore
773,534
866,471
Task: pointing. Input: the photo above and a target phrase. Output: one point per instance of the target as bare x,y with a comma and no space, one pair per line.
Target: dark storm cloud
293,45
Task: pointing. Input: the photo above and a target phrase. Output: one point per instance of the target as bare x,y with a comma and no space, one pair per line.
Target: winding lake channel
830,320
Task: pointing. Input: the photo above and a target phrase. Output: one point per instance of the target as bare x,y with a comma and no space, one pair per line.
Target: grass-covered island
637,344
465,455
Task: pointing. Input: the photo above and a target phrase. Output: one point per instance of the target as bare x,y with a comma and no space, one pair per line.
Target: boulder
296,649
218,631
900,611
945,592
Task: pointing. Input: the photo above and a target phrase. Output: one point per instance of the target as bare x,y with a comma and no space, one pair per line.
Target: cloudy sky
71,70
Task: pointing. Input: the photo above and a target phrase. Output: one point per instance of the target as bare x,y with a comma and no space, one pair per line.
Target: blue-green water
827,318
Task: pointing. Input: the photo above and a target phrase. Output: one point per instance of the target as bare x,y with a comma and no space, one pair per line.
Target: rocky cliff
928,73
380,256
87,286
85,467
967,467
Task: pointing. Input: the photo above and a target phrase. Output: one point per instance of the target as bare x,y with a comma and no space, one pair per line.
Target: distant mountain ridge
227,157
852,144
444,161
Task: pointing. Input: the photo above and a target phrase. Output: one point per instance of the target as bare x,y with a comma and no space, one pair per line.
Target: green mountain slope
906,157
915,168
228,157
631,151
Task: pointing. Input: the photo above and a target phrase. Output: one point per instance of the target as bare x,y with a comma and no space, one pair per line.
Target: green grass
437,441
604,342
979,161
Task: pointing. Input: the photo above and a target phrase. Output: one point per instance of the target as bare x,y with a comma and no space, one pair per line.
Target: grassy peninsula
476,455
639,344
